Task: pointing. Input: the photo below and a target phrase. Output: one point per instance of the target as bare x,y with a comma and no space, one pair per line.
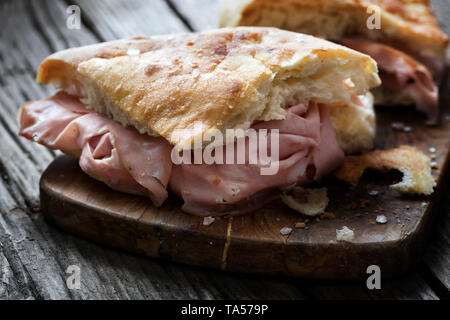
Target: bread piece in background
410,48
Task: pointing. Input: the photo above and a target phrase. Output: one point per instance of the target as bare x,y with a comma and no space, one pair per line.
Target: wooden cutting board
253,243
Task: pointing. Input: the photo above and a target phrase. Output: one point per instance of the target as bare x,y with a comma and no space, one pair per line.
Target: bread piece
405,23
308,201
354,124
225,78
414,164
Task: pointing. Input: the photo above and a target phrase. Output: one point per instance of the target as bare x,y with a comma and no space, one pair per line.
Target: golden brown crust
222,77
409,23
415,166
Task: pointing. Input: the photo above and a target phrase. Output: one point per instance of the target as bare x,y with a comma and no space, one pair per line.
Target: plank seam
179,15
435,284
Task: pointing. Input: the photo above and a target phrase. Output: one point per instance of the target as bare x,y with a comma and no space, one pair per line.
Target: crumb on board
414,164
308,201
328,215
344,234
300,225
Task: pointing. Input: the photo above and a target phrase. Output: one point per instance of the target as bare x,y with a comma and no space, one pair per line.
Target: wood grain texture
198,14
34,254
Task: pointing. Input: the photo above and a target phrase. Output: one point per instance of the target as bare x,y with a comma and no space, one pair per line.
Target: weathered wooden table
34,255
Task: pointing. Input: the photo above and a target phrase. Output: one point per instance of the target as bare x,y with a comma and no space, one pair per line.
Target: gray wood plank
200,14
437,254
441,9
410,287
116,19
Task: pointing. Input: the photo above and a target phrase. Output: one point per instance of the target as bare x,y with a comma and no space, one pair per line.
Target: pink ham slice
120,157
139,164
401,73
307,151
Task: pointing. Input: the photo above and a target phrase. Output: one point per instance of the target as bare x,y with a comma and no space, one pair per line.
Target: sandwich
401,35
126,109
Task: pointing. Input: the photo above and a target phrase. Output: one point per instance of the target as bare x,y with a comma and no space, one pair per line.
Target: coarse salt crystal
398,125
432,150
373,193
208,220
285,231
381,219
407,129
195,73
133,52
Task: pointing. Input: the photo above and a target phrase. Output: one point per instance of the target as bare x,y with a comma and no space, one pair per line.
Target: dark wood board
253,243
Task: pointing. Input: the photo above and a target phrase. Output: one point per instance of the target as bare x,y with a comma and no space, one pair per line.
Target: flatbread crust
407,23
224,78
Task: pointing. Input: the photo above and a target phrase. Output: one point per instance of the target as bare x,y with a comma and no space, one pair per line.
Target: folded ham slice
401,73
120,157
307,151
140,164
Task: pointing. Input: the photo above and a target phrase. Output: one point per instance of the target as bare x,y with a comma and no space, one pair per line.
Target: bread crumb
414,164
300,225
308,201
328,215
216,180
344,234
